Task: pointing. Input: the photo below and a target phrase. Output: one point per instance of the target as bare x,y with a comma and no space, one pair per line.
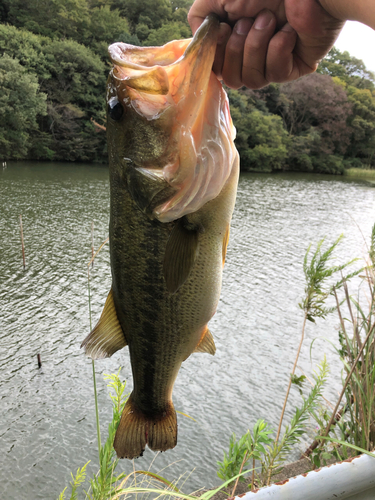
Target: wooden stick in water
92,243
23,245
39,361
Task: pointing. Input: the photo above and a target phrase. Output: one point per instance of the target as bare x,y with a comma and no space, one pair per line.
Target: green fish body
173,179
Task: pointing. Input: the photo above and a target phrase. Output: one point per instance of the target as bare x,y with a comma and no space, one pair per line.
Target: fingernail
263,20
243,26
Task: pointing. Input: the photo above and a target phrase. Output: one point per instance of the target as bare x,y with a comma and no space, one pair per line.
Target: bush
328,164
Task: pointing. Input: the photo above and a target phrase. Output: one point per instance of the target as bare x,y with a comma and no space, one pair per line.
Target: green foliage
318,284
362,122
358,357
74,79
261,137
294,431
232,461
77,481
258,444
322,123
353,426
328,164
20,105
171,31
298,381
109,26
27,48
103,485
349,69
156,11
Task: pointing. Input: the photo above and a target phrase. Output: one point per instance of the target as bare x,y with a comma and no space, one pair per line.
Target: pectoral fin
206,343
107,337
180,254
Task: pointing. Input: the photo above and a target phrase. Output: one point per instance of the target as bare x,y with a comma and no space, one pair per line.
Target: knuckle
254,45
234,51
254,79
280,43
234,47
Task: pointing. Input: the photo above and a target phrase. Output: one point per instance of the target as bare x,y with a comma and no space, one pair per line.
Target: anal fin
206,343
107,337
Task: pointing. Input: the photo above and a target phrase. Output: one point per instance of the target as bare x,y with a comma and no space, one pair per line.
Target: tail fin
136,430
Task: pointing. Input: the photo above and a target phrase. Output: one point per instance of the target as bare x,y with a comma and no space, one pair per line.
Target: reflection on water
47,418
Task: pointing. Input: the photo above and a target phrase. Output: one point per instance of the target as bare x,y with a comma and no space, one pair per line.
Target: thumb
200,10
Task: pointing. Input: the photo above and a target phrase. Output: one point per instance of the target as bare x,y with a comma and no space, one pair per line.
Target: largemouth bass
173,180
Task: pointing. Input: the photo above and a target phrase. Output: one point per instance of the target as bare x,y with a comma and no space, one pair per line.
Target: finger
237,9
200,10
232,68
255,50
224,34
281,65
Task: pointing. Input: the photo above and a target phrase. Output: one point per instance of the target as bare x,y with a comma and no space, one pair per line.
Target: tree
168,32
261,138
20,104
317,102
74,79
27,48
157,11
348,68
362,122
52,18
76,19
76,93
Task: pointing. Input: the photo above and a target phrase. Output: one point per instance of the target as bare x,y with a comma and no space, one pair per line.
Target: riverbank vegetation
53,70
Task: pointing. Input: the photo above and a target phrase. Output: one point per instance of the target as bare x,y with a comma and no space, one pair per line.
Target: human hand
263,41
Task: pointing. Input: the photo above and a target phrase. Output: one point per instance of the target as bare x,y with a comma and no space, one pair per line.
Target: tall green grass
356,315
360,172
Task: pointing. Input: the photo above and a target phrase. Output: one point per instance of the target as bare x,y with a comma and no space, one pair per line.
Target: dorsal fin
180,254
107,337
206,343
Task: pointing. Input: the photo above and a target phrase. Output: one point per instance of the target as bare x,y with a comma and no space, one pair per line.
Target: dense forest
54,65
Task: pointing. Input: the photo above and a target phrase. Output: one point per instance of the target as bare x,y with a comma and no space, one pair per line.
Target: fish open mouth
130,57
175,83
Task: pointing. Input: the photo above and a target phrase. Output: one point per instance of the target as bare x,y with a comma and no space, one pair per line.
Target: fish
173,170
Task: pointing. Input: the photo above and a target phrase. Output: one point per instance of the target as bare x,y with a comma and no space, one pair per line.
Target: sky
359,41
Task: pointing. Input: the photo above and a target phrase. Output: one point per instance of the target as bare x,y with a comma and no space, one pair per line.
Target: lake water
47,416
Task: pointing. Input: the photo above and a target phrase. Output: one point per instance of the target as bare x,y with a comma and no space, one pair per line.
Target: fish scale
168,228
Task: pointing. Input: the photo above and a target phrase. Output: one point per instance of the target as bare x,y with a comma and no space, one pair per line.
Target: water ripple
47,418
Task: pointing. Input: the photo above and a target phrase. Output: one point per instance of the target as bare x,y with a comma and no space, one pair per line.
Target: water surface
47,417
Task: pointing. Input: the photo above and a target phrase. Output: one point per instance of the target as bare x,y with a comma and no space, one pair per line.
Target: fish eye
115,109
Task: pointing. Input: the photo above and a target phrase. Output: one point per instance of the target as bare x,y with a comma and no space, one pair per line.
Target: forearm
353,10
